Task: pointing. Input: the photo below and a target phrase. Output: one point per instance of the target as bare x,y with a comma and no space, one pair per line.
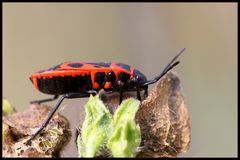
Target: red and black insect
80,79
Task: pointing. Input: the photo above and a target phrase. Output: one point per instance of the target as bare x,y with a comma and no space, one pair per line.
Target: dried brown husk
21,125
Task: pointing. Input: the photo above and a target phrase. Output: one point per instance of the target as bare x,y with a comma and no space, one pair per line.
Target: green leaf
96,128
126,136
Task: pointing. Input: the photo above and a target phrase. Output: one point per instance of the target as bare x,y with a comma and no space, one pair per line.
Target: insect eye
111,77
124,76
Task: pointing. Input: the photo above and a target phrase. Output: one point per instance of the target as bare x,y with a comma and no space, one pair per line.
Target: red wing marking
35,83
55,73
85,66
117,70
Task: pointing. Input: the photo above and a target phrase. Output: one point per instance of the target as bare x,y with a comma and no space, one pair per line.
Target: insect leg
69,96
44,100
121,96
135,82
138,91
120,84
146,91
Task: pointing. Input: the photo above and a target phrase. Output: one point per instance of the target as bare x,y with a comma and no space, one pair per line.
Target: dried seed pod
23,125
6,134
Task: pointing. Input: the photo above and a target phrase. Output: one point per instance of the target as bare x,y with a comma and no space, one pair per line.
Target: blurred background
145,35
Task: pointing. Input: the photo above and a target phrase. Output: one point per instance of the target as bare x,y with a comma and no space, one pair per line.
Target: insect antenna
170,65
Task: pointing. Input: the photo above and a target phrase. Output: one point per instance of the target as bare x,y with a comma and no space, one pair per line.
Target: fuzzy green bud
126,136
7,107
96,128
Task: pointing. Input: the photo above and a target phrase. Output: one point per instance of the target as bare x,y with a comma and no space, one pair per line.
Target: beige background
39,35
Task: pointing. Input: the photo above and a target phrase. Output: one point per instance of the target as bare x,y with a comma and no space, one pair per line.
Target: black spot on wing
50,69
124,66
96,66
75,65
41,71
101,64
55,67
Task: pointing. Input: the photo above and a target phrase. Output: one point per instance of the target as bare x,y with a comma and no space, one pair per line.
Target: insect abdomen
61,85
